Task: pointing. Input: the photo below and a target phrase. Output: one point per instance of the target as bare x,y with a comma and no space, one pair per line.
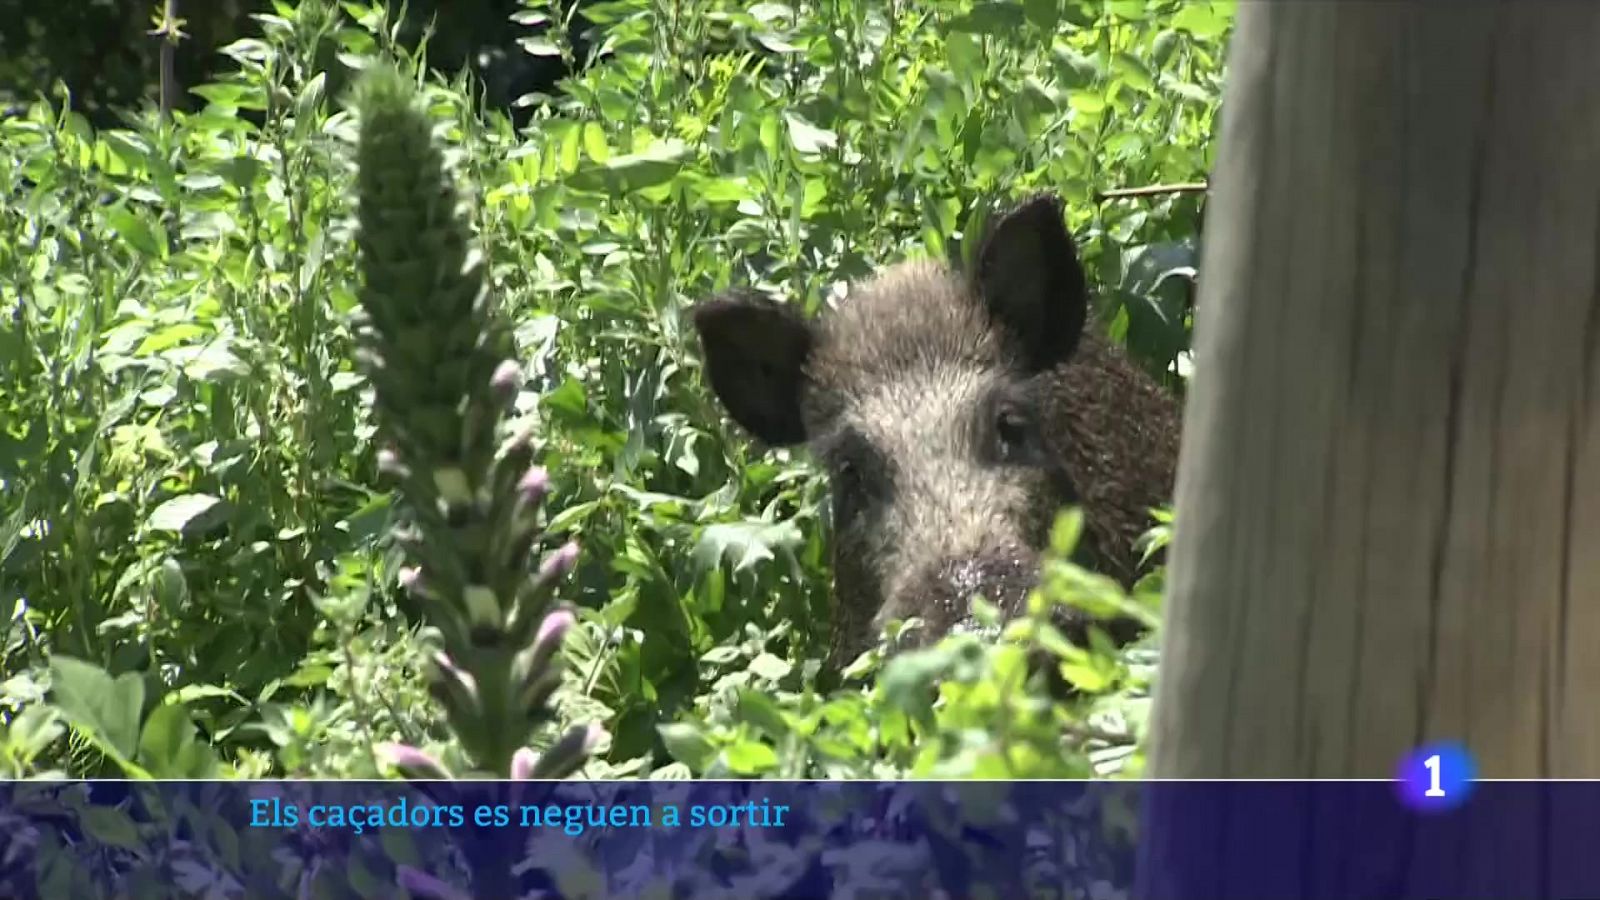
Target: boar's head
955,414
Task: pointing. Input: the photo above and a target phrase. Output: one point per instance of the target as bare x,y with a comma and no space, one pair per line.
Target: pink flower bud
560,562
555,627
444,662
522,763
407,757
534,485
506,380
410,577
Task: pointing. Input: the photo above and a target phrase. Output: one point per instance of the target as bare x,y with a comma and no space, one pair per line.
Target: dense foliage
198,552
106,54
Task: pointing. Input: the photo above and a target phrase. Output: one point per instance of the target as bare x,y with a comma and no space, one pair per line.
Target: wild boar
955,414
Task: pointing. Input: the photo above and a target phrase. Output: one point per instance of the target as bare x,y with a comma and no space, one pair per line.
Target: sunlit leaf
180,513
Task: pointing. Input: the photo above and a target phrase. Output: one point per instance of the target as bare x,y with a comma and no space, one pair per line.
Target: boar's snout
1002,579
942,593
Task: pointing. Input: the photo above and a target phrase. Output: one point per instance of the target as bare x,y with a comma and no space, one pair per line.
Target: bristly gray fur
956,414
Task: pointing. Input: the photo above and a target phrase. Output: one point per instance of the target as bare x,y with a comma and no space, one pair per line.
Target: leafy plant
440,362
192,514
991,716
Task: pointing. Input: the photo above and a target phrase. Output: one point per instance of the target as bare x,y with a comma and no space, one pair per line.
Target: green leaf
310,675
633,172
32,731
770,667
1161,51
168,745
720,656
808,139
1043,14
179,513
539,46
569,147
722,190
1186,90
1201,19
399,845
746,543
965,56
907,681
362,880
1134,72
762,711
110,825
687,744
594,142
170,336
767,13
1066,532
137,232
750,757
94,702
1089,102
1085,677
191,692
1076,69
990,18
563,521
224,94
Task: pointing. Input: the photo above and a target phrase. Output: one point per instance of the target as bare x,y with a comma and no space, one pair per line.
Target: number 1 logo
1436,777
1434,790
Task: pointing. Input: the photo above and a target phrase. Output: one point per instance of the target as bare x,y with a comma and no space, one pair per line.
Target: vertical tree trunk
1389,495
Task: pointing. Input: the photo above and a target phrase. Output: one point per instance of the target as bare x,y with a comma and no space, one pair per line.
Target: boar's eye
1015,437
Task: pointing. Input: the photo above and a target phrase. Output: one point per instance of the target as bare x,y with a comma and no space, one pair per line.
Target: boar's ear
1028,275
755,353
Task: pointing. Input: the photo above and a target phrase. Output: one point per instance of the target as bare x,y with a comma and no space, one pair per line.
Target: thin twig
169,30
1189,187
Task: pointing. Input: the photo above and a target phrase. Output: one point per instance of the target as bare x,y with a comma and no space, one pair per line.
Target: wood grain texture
1389,493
